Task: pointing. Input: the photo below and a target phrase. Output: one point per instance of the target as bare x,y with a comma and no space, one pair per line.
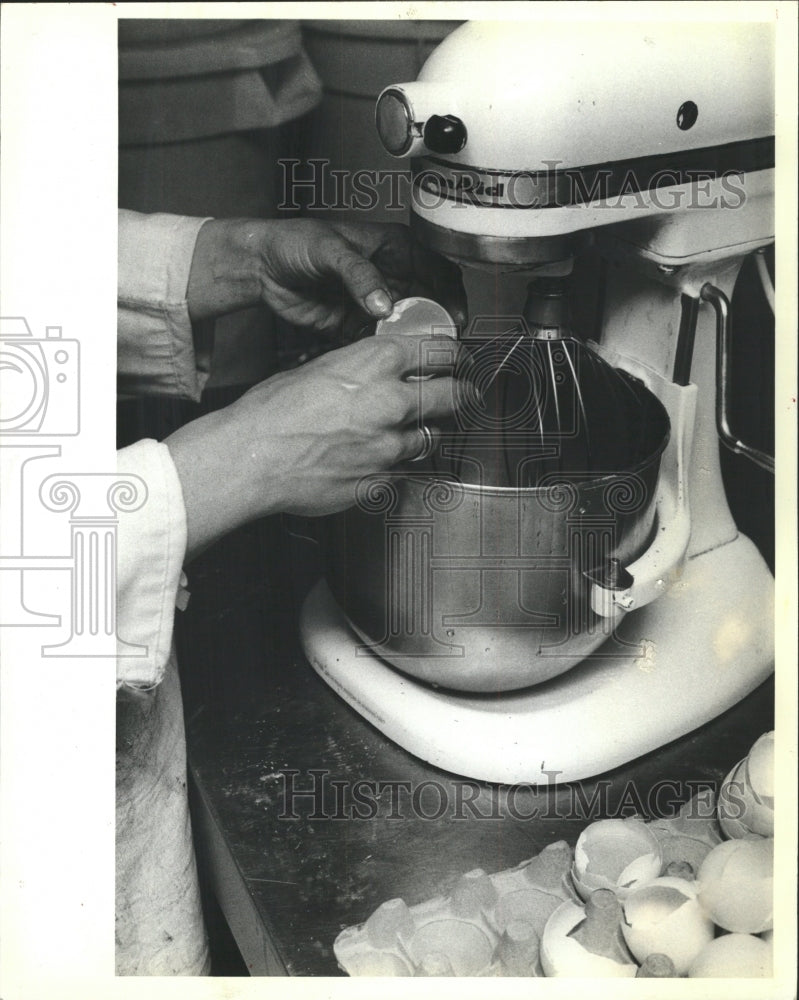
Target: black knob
444,134
687,114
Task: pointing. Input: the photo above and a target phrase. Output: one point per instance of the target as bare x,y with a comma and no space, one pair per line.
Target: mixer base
706,644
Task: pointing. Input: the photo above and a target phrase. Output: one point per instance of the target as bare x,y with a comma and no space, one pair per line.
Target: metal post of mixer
721,304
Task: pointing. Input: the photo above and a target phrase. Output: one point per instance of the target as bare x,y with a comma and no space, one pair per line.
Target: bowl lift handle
656,570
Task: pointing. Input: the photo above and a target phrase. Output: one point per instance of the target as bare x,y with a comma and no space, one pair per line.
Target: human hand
316,274
301,441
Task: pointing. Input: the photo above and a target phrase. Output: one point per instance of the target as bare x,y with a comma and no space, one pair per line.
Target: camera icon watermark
39,381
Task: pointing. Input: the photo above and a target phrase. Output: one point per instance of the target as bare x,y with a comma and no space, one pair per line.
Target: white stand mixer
666,189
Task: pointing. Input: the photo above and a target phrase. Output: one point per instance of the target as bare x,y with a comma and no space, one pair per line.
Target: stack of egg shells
718,924
736,879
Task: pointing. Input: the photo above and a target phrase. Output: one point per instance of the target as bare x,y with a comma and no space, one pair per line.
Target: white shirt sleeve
159,925
151,547
158,352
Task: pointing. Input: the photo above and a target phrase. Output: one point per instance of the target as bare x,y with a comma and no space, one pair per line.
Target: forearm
226,267
214,474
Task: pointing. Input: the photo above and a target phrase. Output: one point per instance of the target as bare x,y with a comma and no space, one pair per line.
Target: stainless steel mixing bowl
485,588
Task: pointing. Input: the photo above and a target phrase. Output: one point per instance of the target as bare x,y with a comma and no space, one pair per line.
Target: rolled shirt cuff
158,351
151,547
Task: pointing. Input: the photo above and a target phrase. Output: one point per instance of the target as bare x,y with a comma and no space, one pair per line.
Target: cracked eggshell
732,805
418,316
761,766
664,917
746,797
760,781
677,848
563,956
733,956
615,854
377,964
736,885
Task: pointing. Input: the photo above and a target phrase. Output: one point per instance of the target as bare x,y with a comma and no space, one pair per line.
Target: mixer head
533,151
526,136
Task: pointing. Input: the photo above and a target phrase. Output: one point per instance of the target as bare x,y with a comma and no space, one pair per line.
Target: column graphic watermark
40,404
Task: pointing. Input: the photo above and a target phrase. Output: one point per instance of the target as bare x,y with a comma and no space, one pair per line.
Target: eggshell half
665,917
563,956
615,854
736,885
733,956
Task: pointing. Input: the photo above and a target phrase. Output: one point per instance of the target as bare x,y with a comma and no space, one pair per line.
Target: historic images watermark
316,184
317,794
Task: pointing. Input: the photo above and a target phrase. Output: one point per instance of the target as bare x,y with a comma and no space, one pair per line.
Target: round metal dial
394,122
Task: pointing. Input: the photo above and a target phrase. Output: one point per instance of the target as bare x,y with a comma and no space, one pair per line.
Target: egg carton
489,925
